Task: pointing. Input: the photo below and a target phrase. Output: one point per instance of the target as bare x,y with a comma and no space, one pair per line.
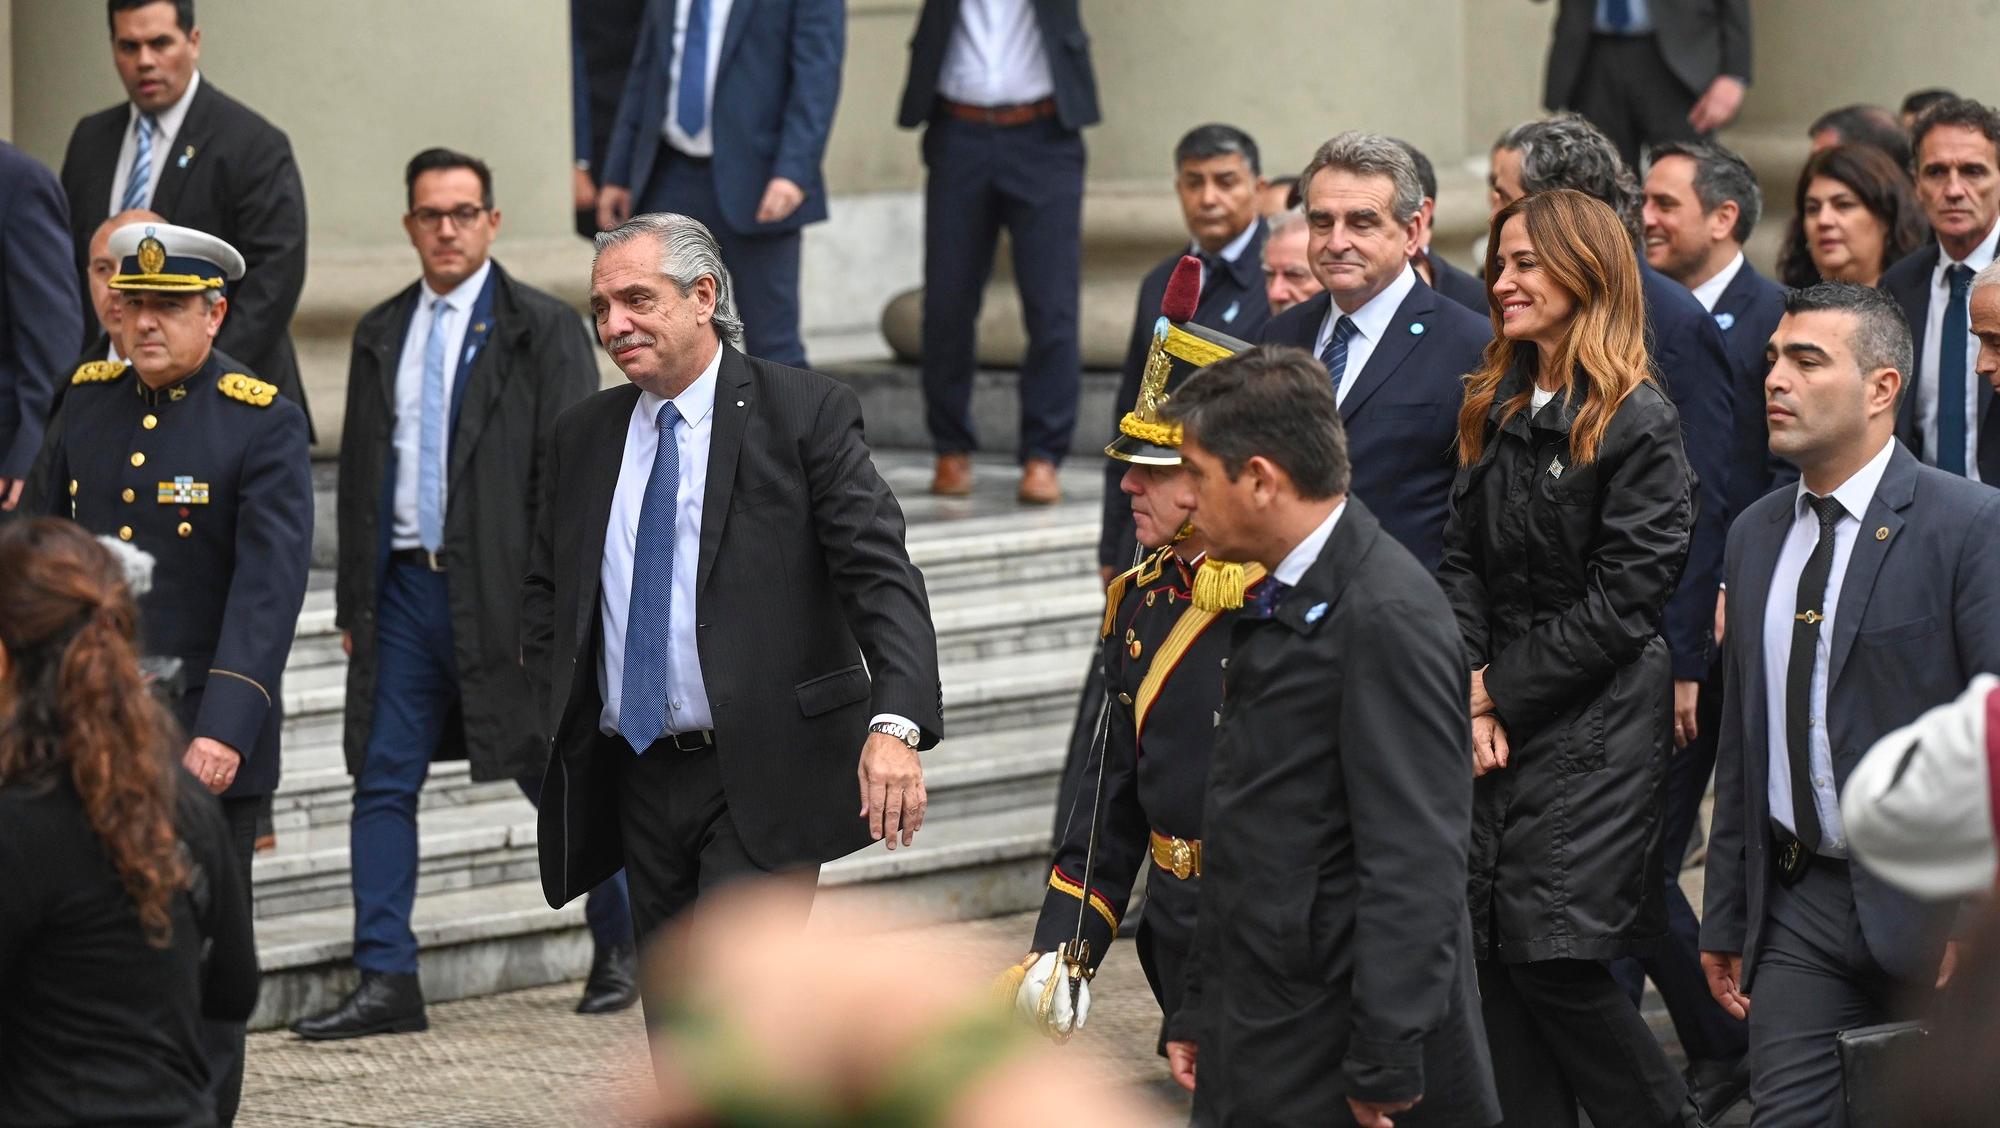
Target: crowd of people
1435,596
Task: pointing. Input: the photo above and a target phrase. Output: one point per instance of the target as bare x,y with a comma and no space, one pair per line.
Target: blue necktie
1615,15
430,436
1335,354
142,166
1263,600
691,112
1951,373
642,699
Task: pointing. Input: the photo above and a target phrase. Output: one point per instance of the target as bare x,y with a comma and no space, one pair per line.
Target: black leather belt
421,557
688,741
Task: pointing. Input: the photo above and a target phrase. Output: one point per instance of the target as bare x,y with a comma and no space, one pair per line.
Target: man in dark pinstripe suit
714,558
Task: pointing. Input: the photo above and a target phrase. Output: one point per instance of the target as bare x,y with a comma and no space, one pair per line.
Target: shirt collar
1858,490
169,120
1373,318
1293,567
1710,292
462,295
695,401
1980,258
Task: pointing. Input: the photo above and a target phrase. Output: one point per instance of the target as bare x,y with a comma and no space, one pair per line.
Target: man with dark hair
1945,411
1442,276
1394,349
1688,357
1279,194
1917,101
1857,601
1862,124
1646,71
1331,978
1003,89
39,317
1217,174
453,388
181,147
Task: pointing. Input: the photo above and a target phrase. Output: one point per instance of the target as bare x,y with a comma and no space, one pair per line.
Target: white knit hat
1920,808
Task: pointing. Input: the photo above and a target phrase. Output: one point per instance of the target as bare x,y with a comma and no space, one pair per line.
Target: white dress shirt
1780,609
687,693
408,434
168,123
996,56
1710,292
1371,323
1927,365
700,144
1293,567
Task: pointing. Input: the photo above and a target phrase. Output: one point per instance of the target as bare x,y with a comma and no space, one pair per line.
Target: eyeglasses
465,215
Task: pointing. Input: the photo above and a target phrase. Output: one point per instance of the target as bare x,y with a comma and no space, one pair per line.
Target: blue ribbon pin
1315,612
1416,328
1723,321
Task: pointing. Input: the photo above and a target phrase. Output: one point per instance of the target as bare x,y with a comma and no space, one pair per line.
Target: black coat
802,574
229,173
1558,575
1063,42
1698,39
39,320
1908,281
1747,313
1333,957
1465,289
535,361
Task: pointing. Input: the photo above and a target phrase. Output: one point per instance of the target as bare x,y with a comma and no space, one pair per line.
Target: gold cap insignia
249,389
152,255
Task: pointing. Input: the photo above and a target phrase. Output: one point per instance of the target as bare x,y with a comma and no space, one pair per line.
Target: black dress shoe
613,984
383,1003
1716,1084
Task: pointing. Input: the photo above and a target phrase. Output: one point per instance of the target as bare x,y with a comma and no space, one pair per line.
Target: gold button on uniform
185,529
138,458
150,422
72,487
128,495
124,532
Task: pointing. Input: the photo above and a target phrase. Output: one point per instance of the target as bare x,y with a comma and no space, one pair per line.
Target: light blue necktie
430,438
642,698
142,166
691,111
1951,372
1335,356
1615,16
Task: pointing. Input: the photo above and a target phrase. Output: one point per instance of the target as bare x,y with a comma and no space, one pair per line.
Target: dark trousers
1814,978
416,686
1627,91
1029,180
222,1042
763,268
1706,1031
1561,1033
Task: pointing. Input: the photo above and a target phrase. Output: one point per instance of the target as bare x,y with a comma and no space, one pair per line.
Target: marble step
503,936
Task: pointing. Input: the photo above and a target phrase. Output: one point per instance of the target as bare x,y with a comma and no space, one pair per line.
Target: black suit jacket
1699,39
39,317
229,173
1333,951
1465,289
803,575
1909,282
1747,313
1063,41
1919,615
1232,302
1401,413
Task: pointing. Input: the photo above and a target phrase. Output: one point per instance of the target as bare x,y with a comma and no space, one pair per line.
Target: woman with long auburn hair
122,919
1570,519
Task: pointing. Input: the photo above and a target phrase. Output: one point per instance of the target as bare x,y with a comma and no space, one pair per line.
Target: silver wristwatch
908,734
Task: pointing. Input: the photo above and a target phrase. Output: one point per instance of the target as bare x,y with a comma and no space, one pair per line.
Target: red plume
1183,290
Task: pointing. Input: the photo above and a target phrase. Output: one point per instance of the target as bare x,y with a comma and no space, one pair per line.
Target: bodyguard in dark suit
1402,349
186,150
39,318
1331,978
1856,602
1216,174
1003,89
453,389
1657,70
1946,416
714,558
725,118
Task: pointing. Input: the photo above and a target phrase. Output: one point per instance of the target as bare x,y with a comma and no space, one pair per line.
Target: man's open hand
892,789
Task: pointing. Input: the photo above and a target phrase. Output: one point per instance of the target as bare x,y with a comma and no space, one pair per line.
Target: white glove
1044,997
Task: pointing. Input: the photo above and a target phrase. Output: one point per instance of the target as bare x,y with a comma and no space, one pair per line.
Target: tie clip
1810,618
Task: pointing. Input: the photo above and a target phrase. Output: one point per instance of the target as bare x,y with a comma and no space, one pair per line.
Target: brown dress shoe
1038,483
954,475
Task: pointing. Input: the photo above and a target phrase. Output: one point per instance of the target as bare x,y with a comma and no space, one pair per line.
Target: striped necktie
141,178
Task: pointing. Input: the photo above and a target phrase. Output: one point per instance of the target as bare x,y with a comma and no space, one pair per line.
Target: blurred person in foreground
1853,215
39,318
1571,518
123,918
1331,979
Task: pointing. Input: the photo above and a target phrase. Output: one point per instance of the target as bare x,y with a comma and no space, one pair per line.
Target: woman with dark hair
122,918
1853,215
1569,525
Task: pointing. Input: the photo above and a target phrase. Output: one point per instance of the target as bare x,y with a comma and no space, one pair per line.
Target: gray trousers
1814,978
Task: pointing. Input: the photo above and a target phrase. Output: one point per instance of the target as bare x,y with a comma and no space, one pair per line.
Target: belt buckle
1181,856
1792,862
431,560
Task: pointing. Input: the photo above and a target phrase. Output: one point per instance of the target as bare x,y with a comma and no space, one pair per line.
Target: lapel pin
1555,468
479,328
1230,313
186,156
1314,612
1416,328
739,403
1724,321
1882,533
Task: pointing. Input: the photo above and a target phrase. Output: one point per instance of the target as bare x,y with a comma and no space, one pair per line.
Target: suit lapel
1749,591
476,386
186,149
1914,296
1405,332
603,455
725,443
1311,315
1880,528
739,19
1319,590
387,345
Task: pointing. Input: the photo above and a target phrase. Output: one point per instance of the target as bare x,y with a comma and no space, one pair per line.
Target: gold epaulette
249,389
98,372
1145,572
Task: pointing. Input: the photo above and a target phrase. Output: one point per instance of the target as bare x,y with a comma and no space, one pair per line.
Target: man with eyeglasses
452,391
